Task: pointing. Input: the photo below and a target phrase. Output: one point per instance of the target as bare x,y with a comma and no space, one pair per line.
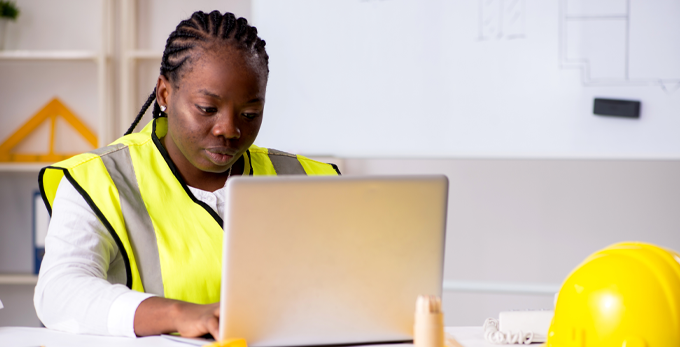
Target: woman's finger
214,328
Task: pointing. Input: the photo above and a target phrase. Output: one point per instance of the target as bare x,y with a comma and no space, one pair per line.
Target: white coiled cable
493,335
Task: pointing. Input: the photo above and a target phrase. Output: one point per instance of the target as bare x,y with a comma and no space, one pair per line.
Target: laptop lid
330,260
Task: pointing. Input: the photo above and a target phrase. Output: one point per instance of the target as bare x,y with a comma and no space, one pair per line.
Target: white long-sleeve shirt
81,285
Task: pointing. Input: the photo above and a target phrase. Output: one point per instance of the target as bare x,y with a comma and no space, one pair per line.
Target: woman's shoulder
310,166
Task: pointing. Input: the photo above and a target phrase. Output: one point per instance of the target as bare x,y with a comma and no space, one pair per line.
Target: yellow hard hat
626,295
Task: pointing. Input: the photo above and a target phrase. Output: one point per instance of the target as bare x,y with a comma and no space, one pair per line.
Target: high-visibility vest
170,241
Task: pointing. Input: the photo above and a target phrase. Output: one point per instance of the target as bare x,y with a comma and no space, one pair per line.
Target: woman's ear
163,89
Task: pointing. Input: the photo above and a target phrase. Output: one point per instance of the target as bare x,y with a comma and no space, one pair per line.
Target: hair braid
241,27
200,17
215,22
230,22
148,102
250,36
198,30
188,23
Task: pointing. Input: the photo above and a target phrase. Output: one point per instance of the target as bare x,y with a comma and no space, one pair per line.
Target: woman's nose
226,126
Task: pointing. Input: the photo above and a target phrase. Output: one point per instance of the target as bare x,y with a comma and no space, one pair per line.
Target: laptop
316,260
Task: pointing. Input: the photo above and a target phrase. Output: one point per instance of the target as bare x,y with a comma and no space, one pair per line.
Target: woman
134,244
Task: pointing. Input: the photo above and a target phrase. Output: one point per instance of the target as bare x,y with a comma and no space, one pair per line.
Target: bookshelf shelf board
22,167
18,279
49,55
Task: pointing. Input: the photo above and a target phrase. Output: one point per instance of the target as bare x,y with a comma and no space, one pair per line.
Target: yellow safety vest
170,241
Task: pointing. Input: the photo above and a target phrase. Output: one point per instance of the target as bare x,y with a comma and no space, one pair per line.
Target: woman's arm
81,283
159,315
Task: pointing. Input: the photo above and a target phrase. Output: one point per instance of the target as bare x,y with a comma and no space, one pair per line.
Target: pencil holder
428,330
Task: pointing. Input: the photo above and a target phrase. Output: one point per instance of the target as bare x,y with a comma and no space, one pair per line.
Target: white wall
475,78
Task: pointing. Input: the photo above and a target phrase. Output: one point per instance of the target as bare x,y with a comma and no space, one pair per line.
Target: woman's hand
197,320
156,316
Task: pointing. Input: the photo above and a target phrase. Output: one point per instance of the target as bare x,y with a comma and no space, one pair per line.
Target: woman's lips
219,156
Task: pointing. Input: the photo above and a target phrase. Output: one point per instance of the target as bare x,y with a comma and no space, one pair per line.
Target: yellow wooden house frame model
55,108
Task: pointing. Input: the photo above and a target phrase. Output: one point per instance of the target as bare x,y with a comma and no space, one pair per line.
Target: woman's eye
207,109
250,115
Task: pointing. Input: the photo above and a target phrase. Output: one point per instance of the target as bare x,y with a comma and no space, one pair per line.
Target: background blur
495,94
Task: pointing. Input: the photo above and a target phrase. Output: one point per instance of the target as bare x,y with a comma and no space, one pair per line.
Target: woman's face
214,110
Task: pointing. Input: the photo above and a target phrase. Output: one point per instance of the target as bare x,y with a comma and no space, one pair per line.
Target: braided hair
199,31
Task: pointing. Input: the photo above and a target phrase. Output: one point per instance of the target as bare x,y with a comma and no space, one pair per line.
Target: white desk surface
25,337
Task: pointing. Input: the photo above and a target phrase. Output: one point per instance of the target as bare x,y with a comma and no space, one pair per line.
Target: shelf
49,55
18,279
137,54
22,167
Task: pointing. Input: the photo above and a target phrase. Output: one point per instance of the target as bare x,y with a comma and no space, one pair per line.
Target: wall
476,78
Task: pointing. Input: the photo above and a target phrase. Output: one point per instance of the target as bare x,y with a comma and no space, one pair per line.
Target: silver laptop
330,260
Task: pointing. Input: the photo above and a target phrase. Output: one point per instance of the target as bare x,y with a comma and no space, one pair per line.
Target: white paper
1,304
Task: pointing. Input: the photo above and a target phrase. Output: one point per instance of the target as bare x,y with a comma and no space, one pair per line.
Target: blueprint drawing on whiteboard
500,19
622,42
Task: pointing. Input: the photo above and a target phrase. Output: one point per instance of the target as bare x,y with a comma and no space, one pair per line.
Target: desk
23,337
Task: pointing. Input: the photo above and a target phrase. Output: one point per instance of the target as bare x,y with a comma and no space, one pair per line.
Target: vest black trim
179,178
43,195
335,167
250,162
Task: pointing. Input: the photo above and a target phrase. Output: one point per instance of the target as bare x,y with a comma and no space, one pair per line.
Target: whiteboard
471,78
